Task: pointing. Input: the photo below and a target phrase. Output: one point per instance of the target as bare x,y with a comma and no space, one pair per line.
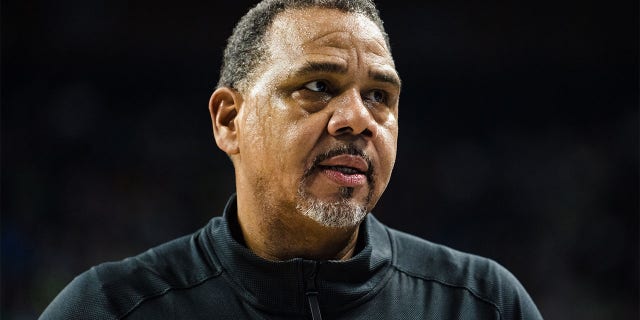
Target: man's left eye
317,86
376,96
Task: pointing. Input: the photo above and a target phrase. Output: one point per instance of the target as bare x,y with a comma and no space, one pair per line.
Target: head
307,109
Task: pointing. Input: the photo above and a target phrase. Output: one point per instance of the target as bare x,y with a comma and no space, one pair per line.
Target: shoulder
483,278
430,260
114,289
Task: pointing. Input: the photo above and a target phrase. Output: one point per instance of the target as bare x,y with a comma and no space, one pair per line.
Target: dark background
518,139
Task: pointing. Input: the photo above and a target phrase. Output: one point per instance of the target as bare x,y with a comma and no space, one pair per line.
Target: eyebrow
311,67
388,77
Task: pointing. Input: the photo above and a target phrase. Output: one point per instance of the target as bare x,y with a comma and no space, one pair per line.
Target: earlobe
224,106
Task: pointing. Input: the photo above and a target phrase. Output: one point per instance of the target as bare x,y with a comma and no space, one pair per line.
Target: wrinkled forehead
298,31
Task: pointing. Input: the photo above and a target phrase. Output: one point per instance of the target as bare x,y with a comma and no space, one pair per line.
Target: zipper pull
312,295
314,305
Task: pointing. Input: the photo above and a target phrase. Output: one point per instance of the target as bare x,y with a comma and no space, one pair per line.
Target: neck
283,233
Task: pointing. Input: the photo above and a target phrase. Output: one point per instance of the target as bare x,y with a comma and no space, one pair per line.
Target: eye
377,96
317,86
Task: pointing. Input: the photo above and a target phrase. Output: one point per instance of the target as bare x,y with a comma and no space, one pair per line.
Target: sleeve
513,300
83,298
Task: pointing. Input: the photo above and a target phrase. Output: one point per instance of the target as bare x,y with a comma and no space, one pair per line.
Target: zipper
312,293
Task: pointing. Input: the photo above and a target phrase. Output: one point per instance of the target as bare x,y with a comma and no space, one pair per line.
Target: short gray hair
245,48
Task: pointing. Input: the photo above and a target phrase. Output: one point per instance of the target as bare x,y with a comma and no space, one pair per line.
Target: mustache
349,149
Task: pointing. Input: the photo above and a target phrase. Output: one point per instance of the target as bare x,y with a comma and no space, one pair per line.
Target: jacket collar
282,286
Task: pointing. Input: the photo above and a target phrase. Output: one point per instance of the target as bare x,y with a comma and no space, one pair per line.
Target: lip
347,160
343,179
359,178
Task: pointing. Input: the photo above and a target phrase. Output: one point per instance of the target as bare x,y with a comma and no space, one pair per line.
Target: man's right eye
317,86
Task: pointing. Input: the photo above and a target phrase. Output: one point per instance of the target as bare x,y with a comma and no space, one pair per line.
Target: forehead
298,32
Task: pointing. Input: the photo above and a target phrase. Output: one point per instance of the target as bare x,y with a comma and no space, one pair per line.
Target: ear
224,106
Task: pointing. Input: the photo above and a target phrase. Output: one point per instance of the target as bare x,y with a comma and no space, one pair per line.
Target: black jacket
211,275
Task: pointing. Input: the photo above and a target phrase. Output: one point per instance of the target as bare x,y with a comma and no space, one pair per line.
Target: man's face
317,131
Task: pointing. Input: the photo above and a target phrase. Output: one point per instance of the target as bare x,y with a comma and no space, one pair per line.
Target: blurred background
518,139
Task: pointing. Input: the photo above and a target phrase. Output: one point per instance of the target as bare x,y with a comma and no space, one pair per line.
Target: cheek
298,129
292,137
254,136
390,128
387,147
298,140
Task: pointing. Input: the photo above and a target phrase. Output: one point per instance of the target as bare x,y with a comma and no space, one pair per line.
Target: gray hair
245,48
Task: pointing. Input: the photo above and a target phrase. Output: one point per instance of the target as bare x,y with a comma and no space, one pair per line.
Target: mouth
344,177
348,163
345,166
346,170
341,169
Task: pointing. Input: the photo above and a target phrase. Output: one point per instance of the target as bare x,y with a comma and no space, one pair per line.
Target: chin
344,210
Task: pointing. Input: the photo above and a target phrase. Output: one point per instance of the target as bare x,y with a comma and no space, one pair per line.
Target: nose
351,116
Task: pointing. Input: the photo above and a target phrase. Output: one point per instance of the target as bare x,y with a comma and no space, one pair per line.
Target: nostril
344,130
348,130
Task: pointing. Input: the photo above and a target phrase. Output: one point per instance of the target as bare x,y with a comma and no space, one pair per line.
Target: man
307,110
